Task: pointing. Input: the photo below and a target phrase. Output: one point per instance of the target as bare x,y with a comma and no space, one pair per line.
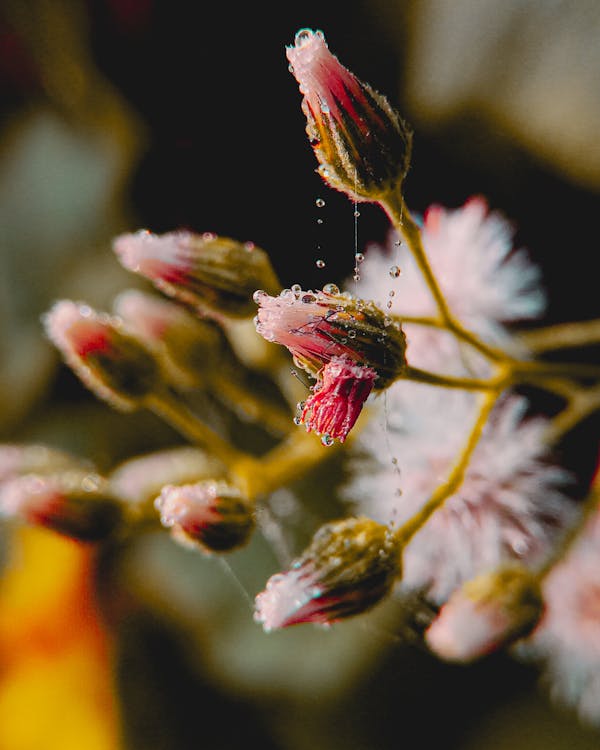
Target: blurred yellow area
56,686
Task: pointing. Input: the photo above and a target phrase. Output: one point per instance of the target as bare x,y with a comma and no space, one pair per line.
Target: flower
337,399
111,362
509,506
35,458
212,515
214,275
350,566
362,145
77,504
348,344
189,347
485,280
485,613
566,643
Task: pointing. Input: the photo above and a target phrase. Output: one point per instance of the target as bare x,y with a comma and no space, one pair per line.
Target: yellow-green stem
449,381
190,426
562,336
582,403
405,533
400,216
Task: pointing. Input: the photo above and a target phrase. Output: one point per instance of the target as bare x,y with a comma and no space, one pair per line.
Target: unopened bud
348,344
110,362
190,348
212,274
362,144
74,503
350,566
486,613
212,515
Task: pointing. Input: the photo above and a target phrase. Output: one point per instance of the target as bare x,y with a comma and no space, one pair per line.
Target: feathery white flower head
567,640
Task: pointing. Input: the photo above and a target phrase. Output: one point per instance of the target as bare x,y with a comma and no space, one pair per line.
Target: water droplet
395,272
307,298
303,36
327,440
352,334
331,289
389,304
259,295
296,288
356,214
320,263
359,257
320,202
319,221
209,236
356,277
297,421
249,246
398,243
395,461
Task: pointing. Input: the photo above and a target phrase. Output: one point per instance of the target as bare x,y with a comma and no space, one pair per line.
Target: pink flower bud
350,566
111,363
76,504
212,274
210,514
486,613
362,145
337,400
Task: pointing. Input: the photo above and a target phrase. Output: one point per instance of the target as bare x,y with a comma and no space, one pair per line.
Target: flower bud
349,567
33,458
362,145
215,275
111,363
486,613
76,504
189,347
211,515
348,344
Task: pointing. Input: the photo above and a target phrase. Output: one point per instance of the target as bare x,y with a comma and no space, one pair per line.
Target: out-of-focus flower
74,503
212,515
32,458
188,346
362,145
510,505
349,567
214,275
348,344
487,283
566,643
57,689
109,361
487,612
139,480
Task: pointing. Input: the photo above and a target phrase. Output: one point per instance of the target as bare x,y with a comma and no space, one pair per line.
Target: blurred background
123,114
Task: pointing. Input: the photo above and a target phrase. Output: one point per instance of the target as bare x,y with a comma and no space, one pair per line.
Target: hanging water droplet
389,304
327,440
319,221
320,263
398,243
297,421
359,257
258,295
356,277
331,289
296,288
391,293
356,214
395,272
320,202
307,298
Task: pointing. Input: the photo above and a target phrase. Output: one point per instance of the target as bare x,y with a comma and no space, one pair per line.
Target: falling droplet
327,440
320,263
395,272
319,221
320,202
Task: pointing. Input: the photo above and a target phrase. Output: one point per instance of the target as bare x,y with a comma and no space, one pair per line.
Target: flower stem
456,476
449,381
187,423
562,336
582,403
401,218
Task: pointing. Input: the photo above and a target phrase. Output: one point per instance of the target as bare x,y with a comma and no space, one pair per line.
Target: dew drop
319,221
259,295
327,440
249,246
398,243
297,421
359,257
389,304
351,334
320,202
395,272
331,289
356,277
356,214
391,293
320,263
307,298
296,288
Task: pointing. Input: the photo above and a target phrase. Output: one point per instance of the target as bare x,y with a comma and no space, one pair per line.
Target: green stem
582,403
456,476
401,218
187,423
449,381
562,336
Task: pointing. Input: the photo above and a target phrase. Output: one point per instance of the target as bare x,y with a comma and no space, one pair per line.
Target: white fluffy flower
485,281
567,640
508,507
